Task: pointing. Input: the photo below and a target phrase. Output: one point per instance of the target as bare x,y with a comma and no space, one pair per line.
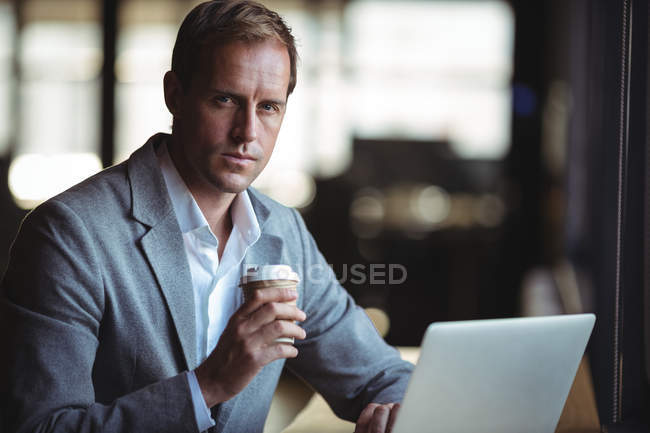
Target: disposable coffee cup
262,277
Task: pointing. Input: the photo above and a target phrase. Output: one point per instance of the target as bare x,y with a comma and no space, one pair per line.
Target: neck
216,211
214,204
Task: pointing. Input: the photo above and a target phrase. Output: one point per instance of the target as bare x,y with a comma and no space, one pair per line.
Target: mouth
238,158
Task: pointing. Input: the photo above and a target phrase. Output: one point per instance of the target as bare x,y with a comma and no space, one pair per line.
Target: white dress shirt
214,282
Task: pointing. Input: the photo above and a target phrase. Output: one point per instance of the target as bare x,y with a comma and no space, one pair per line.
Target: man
120,304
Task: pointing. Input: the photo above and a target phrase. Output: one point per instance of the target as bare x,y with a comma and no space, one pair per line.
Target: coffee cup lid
269,272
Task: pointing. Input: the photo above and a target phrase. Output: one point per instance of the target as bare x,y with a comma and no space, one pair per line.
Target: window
60,59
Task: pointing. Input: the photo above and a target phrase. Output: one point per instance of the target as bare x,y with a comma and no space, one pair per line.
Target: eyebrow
279,102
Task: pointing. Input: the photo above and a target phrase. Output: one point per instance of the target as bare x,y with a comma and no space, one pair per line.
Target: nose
244,128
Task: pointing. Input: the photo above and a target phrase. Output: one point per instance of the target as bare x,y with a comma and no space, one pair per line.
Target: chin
233,190
232,186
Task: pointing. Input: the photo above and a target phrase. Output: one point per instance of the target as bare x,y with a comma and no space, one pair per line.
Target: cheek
210,122
270,129
267,142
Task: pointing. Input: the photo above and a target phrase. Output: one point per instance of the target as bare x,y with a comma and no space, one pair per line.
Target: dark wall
606,181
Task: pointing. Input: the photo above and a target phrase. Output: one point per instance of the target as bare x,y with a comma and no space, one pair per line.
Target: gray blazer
97,316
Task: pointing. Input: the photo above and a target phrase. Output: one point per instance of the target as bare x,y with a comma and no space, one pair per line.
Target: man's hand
377,418
247,344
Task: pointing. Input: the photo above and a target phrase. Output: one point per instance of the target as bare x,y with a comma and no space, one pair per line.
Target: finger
277,351
364,418
379,419
260,297
393,416
267,313
280,328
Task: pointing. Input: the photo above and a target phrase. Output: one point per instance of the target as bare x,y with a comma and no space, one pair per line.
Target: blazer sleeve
51,309
343,356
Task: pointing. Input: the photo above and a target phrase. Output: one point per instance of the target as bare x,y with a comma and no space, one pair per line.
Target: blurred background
463,153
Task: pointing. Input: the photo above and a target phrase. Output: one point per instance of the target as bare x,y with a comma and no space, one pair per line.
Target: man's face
227,121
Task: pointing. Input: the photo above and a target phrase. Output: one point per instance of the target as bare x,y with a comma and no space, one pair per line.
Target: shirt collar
244,218
189,214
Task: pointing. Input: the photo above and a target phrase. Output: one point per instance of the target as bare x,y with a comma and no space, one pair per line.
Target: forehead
245,67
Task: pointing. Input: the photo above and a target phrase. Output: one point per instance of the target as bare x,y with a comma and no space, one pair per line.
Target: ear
173,93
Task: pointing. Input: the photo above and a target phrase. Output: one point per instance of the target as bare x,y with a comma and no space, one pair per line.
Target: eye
223,99
269,107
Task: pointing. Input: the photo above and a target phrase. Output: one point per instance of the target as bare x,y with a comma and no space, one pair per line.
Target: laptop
494,376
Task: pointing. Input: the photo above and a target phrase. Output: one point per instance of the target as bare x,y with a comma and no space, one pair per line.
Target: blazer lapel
163,243
266,251
269,248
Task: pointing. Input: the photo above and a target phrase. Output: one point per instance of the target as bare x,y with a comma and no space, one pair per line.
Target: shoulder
110,192
101,194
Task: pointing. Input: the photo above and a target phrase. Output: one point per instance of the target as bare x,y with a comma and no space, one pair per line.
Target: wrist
212,392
